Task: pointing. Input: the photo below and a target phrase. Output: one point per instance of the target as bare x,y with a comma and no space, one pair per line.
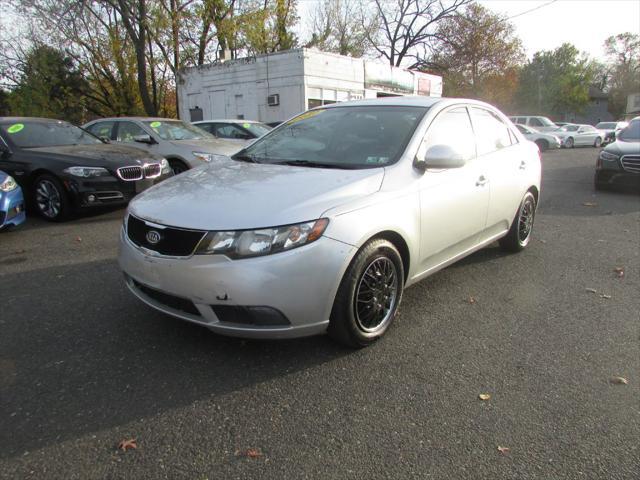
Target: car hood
231,195
214,145
99,155
623,148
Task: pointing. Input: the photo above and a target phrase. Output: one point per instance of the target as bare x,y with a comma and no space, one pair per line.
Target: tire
50,199
519,234
598,142
569,143
178,166
357,320
543,145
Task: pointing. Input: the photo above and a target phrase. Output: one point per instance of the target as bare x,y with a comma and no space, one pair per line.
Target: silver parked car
572,135
319,225
182,144
545,141
243,132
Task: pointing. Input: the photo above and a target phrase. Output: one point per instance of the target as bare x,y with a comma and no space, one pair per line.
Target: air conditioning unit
273,100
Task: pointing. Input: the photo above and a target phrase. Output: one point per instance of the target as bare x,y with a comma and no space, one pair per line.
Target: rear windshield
32,134
343,137
176,130
631,133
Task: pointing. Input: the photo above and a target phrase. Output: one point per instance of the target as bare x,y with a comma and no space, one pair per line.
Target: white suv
542,124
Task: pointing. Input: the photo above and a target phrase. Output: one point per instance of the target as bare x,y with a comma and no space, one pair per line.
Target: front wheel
569,143
598,142
543,145
178,166
519,234
368,296
50,198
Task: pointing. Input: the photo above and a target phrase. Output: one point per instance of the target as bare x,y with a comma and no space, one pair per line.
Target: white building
275,87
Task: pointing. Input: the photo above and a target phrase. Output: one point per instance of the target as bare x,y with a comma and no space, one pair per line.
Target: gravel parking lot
84,365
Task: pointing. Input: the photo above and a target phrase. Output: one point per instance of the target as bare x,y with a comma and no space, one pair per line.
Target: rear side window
102,129
535,122
452,127
491,132
207,127
127,131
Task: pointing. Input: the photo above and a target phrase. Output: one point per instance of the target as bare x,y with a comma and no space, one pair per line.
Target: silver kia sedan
319,225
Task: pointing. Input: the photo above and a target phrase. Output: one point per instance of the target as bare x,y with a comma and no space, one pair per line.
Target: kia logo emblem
153,237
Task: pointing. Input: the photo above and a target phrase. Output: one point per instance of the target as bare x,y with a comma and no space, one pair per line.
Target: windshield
177,130
606,125
32,134
257,129
569,128
340,137
631,133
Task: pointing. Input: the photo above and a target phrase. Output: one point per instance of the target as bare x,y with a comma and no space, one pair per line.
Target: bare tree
406,25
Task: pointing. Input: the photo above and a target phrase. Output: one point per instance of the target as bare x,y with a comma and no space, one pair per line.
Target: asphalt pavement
84,365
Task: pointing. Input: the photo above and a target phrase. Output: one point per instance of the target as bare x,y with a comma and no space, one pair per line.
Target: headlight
207,157
253,243
164,166
87,172
8,185
608,156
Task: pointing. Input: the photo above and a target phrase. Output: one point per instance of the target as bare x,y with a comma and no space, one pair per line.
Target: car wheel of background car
178,166
522,226
542,145
598,142
368,296
50,198
569,142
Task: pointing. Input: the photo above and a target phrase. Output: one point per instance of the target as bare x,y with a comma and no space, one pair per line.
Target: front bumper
300,284
106,191
12,208
612,173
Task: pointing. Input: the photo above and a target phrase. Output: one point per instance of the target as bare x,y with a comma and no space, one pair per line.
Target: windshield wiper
308,163
245,158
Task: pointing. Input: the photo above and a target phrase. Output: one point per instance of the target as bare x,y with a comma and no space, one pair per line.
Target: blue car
11,202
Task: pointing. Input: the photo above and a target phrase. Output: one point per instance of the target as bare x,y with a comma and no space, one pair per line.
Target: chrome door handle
481,181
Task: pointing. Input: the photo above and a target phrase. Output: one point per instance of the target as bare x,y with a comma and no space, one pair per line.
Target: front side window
534,122
340,137
102,129
231,131
33,134
177,130
127,131
453,128
491,132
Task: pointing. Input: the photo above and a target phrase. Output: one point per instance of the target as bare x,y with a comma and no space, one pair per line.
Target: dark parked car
62,168
619,162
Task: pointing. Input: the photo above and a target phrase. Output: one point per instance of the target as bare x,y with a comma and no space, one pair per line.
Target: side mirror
441,156
143,139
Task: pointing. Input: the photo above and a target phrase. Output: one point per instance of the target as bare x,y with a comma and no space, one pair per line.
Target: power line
531,10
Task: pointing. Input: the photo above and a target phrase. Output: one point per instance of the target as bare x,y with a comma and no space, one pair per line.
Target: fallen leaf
22,250
605,296
78,239
543,241
249,453
619,381
503,449
125,444
471,300
484,396
619,271
589,204
591,290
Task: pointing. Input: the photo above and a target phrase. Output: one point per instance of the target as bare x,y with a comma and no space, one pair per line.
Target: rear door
500,156
454,201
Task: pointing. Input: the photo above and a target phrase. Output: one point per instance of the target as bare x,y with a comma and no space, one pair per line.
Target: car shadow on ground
63,380
96,215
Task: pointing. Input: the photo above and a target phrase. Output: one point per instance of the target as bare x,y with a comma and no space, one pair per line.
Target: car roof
226,120
26,119
143,119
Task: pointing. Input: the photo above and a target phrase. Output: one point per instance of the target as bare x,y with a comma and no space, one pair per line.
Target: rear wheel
50,198
543,145
598,142
368,296
520,232
178,166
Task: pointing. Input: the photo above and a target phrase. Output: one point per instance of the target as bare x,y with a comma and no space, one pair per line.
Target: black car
63,168
619,163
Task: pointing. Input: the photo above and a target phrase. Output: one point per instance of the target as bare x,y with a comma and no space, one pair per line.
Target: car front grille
130,174
171,301
136,172
171,241
631,163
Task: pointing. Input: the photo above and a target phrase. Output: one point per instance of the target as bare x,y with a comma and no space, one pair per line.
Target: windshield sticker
246,125
377,160
304,116
15,128
155,124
